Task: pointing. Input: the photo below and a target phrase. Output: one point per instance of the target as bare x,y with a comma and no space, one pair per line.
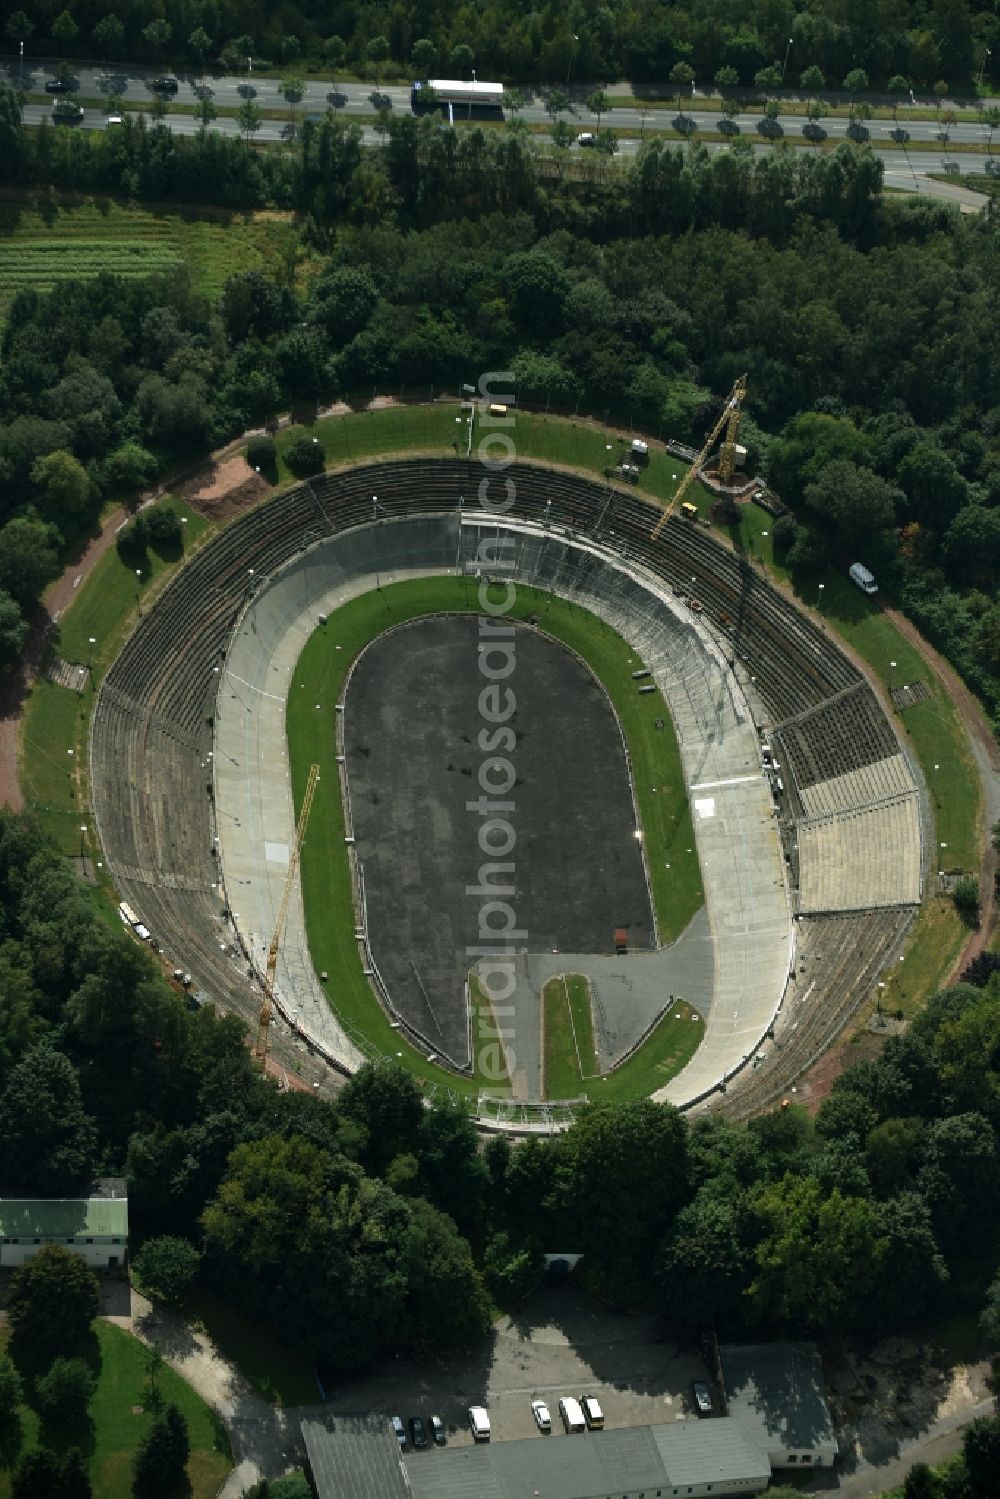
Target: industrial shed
95,1227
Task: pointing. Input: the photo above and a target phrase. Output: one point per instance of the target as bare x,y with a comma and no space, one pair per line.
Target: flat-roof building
95,1227
775,1392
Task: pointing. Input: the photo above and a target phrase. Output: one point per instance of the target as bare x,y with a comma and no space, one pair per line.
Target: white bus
456,95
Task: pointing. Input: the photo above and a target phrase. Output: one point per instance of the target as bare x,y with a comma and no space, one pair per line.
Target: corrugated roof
354,1457
776,1392
70,1218
457,1472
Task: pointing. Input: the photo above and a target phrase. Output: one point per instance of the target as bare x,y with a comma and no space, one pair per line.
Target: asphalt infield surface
411,727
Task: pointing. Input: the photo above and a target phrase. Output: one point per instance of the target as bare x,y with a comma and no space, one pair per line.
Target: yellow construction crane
730,419
264,1020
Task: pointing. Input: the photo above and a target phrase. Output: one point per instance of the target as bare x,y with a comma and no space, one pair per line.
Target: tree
461,60
62,489
64,28
920,1483
157,34
336,52
682,74
48,1145
856,81
249,118
130,467
292,91
812,78
294,1486
11,1390
19,27
966,898
74,1480
108,34
205,112
703,1269
860,504
38,1472
200,43
64,1393
166,1266
599,104
14,629
898,84
989,1319
262,453
769,77
424,57
934,487
981,1450
726,77
386,1102
160,1463
53,1301
511,1272
378,53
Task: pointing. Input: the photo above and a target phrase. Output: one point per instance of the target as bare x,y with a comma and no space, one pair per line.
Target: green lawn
667,1050
46,239
568,1058
573,442
115,1427
325,872
277,1370
55,783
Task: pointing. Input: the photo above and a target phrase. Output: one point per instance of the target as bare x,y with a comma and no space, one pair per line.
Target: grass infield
320,675
568,1028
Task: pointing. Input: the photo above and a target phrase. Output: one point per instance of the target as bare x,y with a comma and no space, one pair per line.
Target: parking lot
560,1342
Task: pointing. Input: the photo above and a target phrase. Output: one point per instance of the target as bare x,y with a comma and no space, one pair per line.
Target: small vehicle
65,112
164,84
418,1433
115,120
862,578
702,1397
480,1423
592,1413
438,1431
400,1430
586,138
64,84
540,1411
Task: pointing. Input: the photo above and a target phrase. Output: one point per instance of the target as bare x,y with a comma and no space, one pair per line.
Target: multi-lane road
927,148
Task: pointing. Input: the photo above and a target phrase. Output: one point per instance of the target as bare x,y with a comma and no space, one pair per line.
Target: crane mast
730,420
264,1019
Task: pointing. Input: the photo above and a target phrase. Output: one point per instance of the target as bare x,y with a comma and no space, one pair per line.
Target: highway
927,149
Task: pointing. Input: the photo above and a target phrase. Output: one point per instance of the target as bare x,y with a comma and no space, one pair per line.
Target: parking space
559,1343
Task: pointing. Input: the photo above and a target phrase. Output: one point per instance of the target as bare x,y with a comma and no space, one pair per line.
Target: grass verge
119,1417
488,1050
568,1057
320,674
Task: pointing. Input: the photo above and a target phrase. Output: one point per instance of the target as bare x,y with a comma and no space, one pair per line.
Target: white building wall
98,1254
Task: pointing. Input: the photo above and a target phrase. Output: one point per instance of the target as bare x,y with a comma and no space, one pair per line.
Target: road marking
733,781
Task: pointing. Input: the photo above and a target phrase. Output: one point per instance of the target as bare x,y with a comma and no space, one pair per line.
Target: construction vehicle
730,419
267,999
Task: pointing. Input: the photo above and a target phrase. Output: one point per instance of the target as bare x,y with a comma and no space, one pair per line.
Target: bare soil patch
221,490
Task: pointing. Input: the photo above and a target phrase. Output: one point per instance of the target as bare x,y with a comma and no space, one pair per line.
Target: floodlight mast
264,1020
730,419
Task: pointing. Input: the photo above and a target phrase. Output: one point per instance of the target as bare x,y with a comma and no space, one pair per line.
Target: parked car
115,120
592,1413
540,1411
586,138
418,1433
164,84
400,1430
438,1431
702,1397
68,112
64,84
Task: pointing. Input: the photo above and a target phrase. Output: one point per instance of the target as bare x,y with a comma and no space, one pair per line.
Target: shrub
166,1266
305,456
262,453
133,539
164,527
966,897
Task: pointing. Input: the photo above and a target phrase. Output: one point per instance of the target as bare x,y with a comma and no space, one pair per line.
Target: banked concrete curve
751,929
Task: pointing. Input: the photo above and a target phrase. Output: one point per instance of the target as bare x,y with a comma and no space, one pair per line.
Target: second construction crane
264,1020
730,420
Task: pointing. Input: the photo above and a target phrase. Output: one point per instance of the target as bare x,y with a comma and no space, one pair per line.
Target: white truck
862,578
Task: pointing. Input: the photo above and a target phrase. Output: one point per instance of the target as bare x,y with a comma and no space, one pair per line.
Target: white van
860,575
592,1412
480,1423
572,1415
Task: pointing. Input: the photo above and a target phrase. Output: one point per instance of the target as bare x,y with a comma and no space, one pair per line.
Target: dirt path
264,1439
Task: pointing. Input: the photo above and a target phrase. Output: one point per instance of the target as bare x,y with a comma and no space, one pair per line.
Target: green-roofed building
95,1226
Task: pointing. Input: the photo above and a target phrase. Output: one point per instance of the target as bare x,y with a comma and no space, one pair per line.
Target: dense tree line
921,40
374,1221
